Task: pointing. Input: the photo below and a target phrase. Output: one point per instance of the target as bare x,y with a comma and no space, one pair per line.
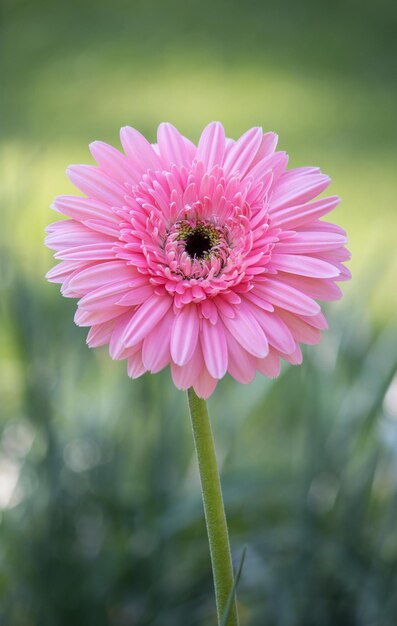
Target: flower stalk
218,537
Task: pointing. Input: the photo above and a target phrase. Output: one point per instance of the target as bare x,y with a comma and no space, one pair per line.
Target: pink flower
209,259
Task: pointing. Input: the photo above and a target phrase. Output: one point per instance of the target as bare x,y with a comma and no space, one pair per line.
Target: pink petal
300,214
266,148
105,296
145,319
309,242
320,289
270,365
117,348
69,234
303,265
324,227
275,163
214,346
243,152
173,146
254,297
317,321
135,366
341,254
209,310
63,270
287,297
83,209
184,334
185,376
345,273
90,252
297,189
139,151
104,227
65,289
295,358
211,146
137,293
156,345
113,162
90,318
247,331
204,384
100,334
223,307
93,277
277,332
241,364
301,330
96,184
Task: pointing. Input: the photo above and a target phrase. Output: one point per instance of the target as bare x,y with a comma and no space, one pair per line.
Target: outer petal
320,289
105,296
95,183
117,348
270,365
276,163
310,242
100,334
184,334
101,274
243,152
286,297
63,270
300,214
85,209
246,330
145,319
303,265
102,251
174,148
135,365
139,151
204,384
295,358
70,234
156,345
242,365
113,162
267,148
139,291
301,330
214,346
185,376
297,187
211,146
90,318
277,332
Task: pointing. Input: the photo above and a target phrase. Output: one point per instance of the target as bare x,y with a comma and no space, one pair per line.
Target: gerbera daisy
207,258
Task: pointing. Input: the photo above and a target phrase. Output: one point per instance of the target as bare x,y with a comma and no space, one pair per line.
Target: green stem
215,518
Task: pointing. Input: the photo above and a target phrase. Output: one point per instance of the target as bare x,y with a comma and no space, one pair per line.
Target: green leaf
233,590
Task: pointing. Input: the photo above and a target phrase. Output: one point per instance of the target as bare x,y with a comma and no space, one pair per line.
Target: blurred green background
100,515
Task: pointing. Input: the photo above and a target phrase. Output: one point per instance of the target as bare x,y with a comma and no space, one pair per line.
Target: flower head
209,259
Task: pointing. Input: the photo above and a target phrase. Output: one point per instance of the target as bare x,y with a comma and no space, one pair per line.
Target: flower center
195,249
199,240
197,244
